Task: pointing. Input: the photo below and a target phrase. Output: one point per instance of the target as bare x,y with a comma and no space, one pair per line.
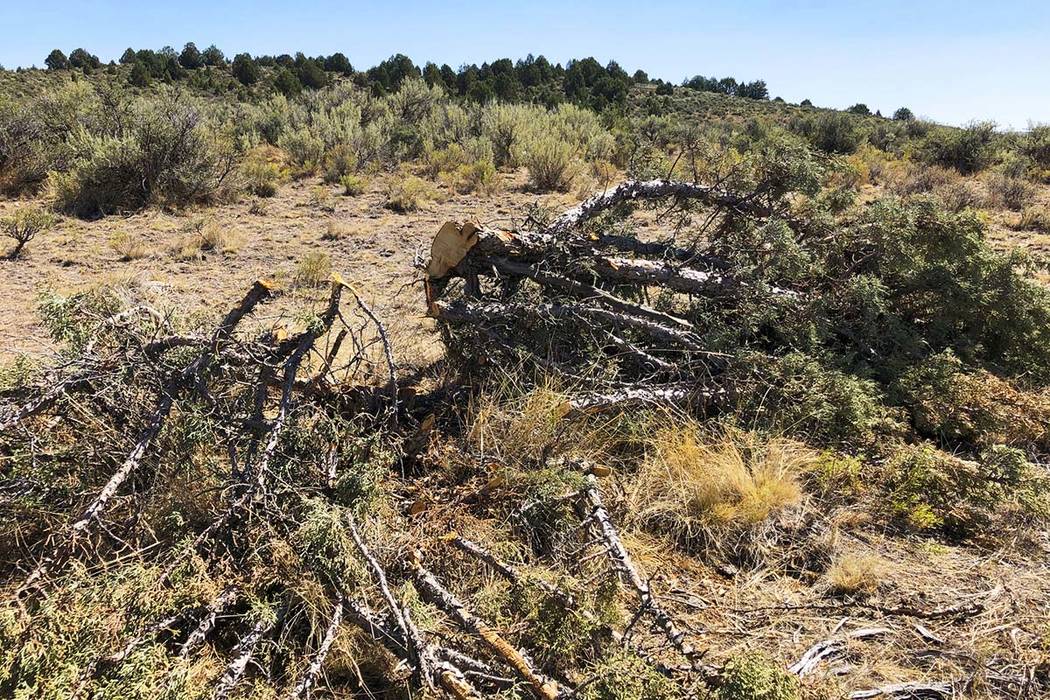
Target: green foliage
806,397
161,152
56,60
623,676
753,677
245,69
930,491
968,150
353,185
832,132
408,193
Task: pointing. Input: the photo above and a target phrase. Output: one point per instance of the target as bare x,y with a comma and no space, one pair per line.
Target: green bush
968,150
753,677
353,185
551,164
831,132
408,193
162,152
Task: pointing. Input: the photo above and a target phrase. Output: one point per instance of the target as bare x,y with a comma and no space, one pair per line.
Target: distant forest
585,81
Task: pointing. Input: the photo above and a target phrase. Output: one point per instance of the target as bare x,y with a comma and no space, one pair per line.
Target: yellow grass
686,481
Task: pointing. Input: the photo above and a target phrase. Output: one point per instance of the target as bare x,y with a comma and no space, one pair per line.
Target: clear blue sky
952,61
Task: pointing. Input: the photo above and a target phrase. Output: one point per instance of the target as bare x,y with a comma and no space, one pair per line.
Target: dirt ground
375,253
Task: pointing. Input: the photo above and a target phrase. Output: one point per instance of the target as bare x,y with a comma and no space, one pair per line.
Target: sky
951,61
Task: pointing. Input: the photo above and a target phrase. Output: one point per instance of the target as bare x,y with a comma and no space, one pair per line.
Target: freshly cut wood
450,246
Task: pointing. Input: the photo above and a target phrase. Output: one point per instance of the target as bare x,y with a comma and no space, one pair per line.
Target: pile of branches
285,422
578,299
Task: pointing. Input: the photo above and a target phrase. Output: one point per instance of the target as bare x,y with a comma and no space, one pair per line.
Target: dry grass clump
313,269
321,198
336,230
687,483
128,246
408,193
205,237
856,573
1035,218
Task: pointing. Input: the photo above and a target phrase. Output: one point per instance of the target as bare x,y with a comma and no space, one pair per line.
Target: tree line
585,82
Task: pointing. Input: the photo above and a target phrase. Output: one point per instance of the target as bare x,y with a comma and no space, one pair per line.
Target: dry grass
854,573
128,246
687,482
205,236
335,230
313,269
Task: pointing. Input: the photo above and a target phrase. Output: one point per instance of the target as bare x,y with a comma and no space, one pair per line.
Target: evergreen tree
56,60
190,57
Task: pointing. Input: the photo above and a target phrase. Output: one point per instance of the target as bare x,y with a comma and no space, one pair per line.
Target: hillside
378,389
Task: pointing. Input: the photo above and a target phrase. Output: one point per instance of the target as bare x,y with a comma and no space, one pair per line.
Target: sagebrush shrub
408,193
23,226
551,164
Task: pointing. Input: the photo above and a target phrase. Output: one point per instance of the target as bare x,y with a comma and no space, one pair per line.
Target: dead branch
907,691
624,566
829,648
306,683
543,686
200,633
408,632
242,656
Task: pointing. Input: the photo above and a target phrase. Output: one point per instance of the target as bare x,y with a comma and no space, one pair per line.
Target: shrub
832,132
1009,191
261,173
903,114
23,226
753,677
479,176
968,150
128,246
931,491
313,270
972,409
1034,219
162,152
353,185
339,161
407,193
245,69
551,164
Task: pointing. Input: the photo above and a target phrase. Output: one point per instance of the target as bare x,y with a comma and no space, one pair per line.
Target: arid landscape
514,380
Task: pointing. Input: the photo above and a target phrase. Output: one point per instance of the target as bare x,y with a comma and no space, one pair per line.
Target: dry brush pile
232,511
